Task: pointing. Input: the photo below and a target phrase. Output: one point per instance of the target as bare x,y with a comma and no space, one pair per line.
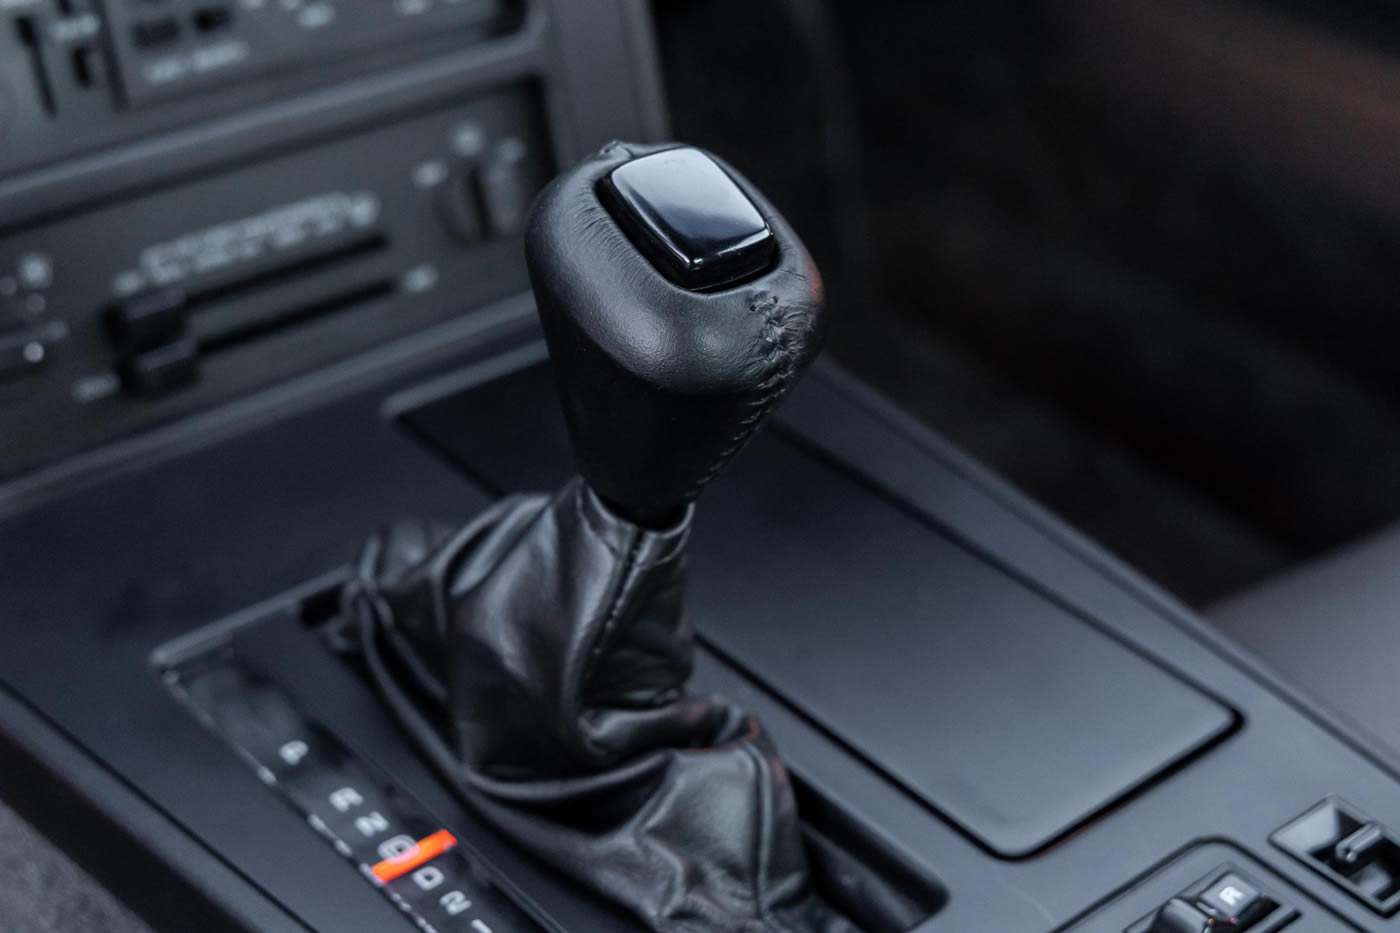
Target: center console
240,342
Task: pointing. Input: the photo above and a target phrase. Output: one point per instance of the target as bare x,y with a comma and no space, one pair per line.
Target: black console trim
1077,545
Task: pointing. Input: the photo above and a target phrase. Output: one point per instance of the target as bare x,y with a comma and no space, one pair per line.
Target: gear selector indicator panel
396,845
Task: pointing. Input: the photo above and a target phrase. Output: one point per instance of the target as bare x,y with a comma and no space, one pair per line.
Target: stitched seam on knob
618,588
630,571
595,651
778,360
763,831
630,563
765,842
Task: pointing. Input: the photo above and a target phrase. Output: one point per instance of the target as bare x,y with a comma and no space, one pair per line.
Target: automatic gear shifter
677,310
540,654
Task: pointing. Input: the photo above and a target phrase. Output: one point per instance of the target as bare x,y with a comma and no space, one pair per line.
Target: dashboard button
90,67
162,369
1232,897
504,188
151,33
1177,916
1225,901
459,209
7,108
147,320
213,18
1350,849
21,354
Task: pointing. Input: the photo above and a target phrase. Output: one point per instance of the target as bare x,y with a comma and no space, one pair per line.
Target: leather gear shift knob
679,307
546,643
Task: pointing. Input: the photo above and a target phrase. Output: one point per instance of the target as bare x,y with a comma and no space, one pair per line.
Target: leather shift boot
555,633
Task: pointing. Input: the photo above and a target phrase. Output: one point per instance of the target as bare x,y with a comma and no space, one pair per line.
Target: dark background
1137,256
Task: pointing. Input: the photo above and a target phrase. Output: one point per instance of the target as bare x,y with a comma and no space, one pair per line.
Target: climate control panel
151,308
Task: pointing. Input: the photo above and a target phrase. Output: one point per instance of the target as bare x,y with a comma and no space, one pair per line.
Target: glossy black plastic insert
690,219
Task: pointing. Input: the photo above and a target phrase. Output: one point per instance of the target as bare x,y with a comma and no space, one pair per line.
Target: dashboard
205,200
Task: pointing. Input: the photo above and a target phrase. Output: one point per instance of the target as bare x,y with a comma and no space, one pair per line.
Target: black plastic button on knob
690,219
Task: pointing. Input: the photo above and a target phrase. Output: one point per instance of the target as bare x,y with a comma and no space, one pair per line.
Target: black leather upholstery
1333,627
661,385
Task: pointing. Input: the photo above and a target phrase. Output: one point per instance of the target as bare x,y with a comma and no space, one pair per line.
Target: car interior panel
699,466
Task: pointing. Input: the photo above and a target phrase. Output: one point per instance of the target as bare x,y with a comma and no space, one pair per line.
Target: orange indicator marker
427,848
